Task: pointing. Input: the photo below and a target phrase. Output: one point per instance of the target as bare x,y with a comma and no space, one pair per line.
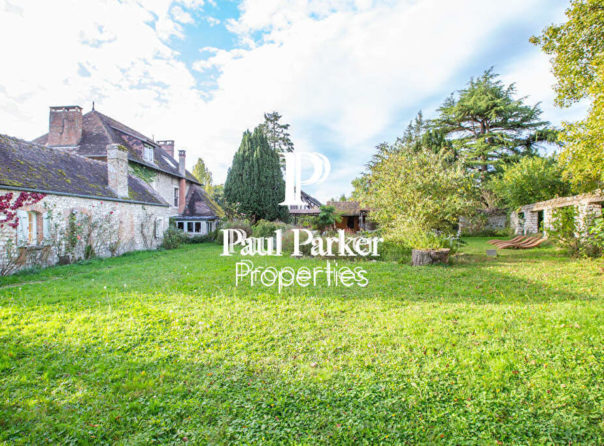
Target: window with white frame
33,228
194,227
148,153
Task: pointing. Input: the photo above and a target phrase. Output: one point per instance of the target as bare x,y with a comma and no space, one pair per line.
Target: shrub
288,244
173,238
264,228
306,222
206,238
327,218
587,241
233,224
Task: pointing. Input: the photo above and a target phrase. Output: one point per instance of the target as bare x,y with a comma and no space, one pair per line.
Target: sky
345,74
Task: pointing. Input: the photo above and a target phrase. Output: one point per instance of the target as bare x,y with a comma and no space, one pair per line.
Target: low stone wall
79,227
486,220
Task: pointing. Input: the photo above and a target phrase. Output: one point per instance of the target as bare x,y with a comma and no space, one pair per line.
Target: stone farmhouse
107,189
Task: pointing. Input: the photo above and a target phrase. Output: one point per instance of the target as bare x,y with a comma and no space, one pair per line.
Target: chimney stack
168,146
65,126
117,169
181,162
182,192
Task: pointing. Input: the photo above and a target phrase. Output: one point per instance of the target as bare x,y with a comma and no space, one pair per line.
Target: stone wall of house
164,185
108,227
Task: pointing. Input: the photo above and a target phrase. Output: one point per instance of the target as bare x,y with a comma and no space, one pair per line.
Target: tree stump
421,257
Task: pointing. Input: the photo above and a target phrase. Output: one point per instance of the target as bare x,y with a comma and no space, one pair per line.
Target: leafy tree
577,55
277,133
254,184
327,217
488,127
415,194
531,179
202,173
420,134
340,198
216,193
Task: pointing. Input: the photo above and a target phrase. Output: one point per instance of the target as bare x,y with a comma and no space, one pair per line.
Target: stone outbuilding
532,218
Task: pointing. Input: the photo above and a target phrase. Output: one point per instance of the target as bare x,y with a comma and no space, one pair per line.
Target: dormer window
148,153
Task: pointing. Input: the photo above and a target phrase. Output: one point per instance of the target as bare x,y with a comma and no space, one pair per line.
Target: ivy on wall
142,172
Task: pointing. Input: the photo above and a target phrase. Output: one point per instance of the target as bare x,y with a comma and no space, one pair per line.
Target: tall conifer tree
254,184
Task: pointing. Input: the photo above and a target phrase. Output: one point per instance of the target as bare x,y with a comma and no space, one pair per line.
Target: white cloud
180,15
344,68
533,78
213,21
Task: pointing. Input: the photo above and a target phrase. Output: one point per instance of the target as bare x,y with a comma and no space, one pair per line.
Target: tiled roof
347,207
198,204
34,167
98,130
312,201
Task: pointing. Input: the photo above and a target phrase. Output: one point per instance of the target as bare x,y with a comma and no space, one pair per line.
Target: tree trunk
421,257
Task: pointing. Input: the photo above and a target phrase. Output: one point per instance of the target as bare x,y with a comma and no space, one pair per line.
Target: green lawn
162,347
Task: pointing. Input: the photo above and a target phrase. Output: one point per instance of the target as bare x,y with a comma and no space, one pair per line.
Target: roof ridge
135,133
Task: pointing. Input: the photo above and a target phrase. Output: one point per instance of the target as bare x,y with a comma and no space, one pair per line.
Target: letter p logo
293,175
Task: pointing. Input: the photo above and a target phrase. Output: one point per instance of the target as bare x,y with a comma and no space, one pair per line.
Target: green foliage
418,197
264,228
306,221
144,173
577,51
596,231
254,185
203,174
288,244
277,134
216,193
394,252
173,238
206,238
234,224
326,218
530,180
73,234
417,238
578,239
488,127
163,348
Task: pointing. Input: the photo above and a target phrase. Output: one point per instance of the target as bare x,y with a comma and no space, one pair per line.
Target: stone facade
165,185
108,227
532,218
117,169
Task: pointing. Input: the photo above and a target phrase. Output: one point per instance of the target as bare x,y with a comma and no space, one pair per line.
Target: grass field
162,347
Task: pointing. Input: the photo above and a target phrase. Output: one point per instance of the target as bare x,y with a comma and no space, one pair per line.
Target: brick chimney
182,186
65,126
117,169
168,146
